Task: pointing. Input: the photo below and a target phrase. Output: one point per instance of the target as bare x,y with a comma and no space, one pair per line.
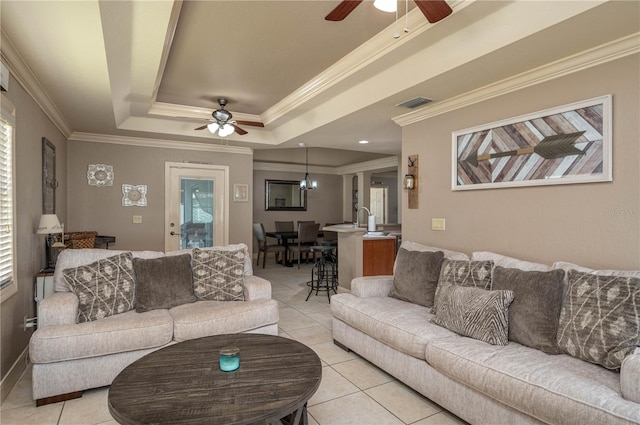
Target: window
8,284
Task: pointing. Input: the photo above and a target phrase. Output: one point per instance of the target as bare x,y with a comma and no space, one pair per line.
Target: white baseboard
14,374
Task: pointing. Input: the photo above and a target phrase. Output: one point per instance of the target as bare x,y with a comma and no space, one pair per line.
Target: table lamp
49,225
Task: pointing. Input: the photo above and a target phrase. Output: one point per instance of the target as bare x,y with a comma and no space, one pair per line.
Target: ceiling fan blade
342,10
201,128
239,130
253,123
434,10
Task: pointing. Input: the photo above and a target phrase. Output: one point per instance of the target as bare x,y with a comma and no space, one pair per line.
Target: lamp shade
48,224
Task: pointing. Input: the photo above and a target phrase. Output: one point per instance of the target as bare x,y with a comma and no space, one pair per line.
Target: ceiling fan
433,10
223,124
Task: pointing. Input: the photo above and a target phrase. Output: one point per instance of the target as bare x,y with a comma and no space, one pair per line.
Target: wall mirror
284,195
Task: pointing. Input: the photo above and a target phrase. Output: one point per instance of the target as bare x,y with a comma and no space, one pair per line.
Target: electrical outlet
437,224
24,325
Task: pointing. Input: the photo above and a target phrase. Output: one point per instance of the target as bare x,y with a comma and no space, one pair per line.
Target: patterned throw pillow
599,318
104,288
475,313
476,274
218,275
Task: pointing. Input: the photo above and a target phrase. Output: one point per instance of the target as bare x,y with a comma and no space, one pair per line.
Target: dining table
287,238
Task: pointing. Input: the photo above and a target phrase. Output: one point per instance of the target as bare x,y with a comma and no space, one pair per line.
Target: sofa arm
256,288
372,286
630,377
60,308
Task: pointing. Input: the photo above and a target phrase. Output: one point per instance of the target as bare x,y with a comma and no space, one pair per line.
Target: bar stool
324,273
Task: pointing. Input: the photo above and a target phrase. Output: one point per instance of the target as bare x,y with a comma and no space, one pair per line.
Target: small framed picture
240,192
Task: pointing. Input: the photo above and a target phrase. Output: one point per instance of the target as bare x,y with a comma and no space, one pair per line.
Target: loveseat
145,300
499,382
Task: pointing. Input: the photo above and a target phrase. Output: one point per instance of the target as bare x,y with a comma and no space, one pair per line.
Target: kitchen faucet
357,223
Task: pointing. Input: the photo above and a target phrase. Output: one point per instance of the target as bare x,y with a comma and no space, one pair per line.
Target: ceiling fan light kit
222,122
386,5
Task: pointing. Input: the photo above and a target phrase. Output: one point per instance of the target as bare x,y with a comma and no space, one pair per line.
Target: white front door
379,203
196,205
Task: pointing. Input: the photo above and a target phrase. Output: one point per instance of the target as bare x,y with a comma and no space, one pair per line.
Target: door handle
172,233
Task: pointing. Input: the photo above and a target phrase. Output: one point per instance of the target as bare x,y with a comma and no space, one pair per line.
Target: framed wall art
240,192
49,182
563,145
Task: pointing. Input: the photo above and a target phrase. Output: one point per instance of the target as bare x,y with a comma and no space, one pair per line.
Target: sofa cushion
70,258
416,276
474,312
205,318
475,274
128,331
218,275
599,318
553,389
104,288
398,324
534,312
452,255
163,282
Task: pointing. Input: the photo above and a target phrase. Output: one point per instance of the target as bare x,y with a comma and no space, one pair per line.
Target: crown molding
373,165
158,143
293,168
599,55
24,76
370,51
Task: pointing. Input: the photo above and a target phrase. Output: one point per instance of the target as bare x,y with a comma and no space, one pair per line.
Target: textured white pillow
509,262
248,265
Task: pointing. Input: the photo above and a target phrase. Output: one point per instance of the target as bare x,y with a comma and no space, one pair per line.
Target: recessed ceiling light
363,142
301,144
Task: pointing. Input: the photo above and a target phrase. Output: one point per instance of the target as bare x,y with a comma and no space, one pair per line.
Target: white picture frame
240,192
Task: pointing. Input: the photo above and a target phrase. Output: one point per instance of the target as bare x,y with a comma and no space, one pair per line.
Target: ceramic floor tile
356,409
403,402
32,415
21,394
332,354
322,318
311,420
296,321
333,385
312,335
90,409
442,418
362,373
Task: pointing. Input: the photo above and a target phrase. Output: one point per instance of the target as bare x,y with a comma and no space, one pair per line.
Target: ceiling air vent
415,102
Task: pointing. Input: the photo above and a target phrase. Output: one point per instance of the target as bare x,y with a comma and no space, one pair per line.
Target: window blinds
6,204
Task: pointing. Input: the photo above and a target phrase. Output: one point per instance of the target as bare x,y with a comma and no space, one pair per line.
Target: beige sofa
69,357
480,382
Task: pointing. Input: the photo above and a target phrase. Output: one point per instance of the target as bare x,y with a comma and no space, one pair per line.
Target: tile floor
353,391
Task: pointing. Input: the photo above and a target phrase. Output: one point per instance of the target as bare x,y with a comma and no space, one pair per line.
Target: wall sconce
408,182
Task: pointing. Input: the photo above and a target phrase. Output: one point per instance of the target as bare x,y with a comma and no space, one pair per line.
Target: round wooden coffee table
182,383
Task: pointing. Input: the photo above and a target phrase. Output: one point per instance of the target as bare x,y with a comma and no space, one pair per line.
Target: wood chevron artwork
567,144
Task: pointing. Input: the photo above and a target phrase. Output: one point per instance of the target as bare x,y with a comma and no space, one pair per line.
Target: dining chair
330,238
307,237
264,247
284,226
305,221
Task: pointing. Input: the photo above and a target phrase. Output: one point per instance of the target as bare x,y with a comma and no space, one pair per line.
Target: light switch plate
137,219
437,224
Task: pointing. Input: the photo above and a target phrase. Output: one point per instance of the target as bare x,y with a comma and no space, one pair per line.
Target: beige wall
100,208
324,203
543,223
31,126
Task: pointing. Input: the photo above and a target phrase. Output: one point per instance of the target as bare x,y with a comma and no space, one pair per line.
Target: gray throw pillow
534,312
599,318
104,288
163,282
476,274
476,313
416,276
218,275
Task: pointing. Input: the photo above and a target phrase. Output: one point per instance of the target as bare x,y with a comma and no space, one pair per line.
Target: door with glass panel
196,210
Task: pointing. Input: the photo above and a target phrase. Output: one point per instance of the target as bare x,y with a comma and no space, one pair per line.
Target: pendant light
307,183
